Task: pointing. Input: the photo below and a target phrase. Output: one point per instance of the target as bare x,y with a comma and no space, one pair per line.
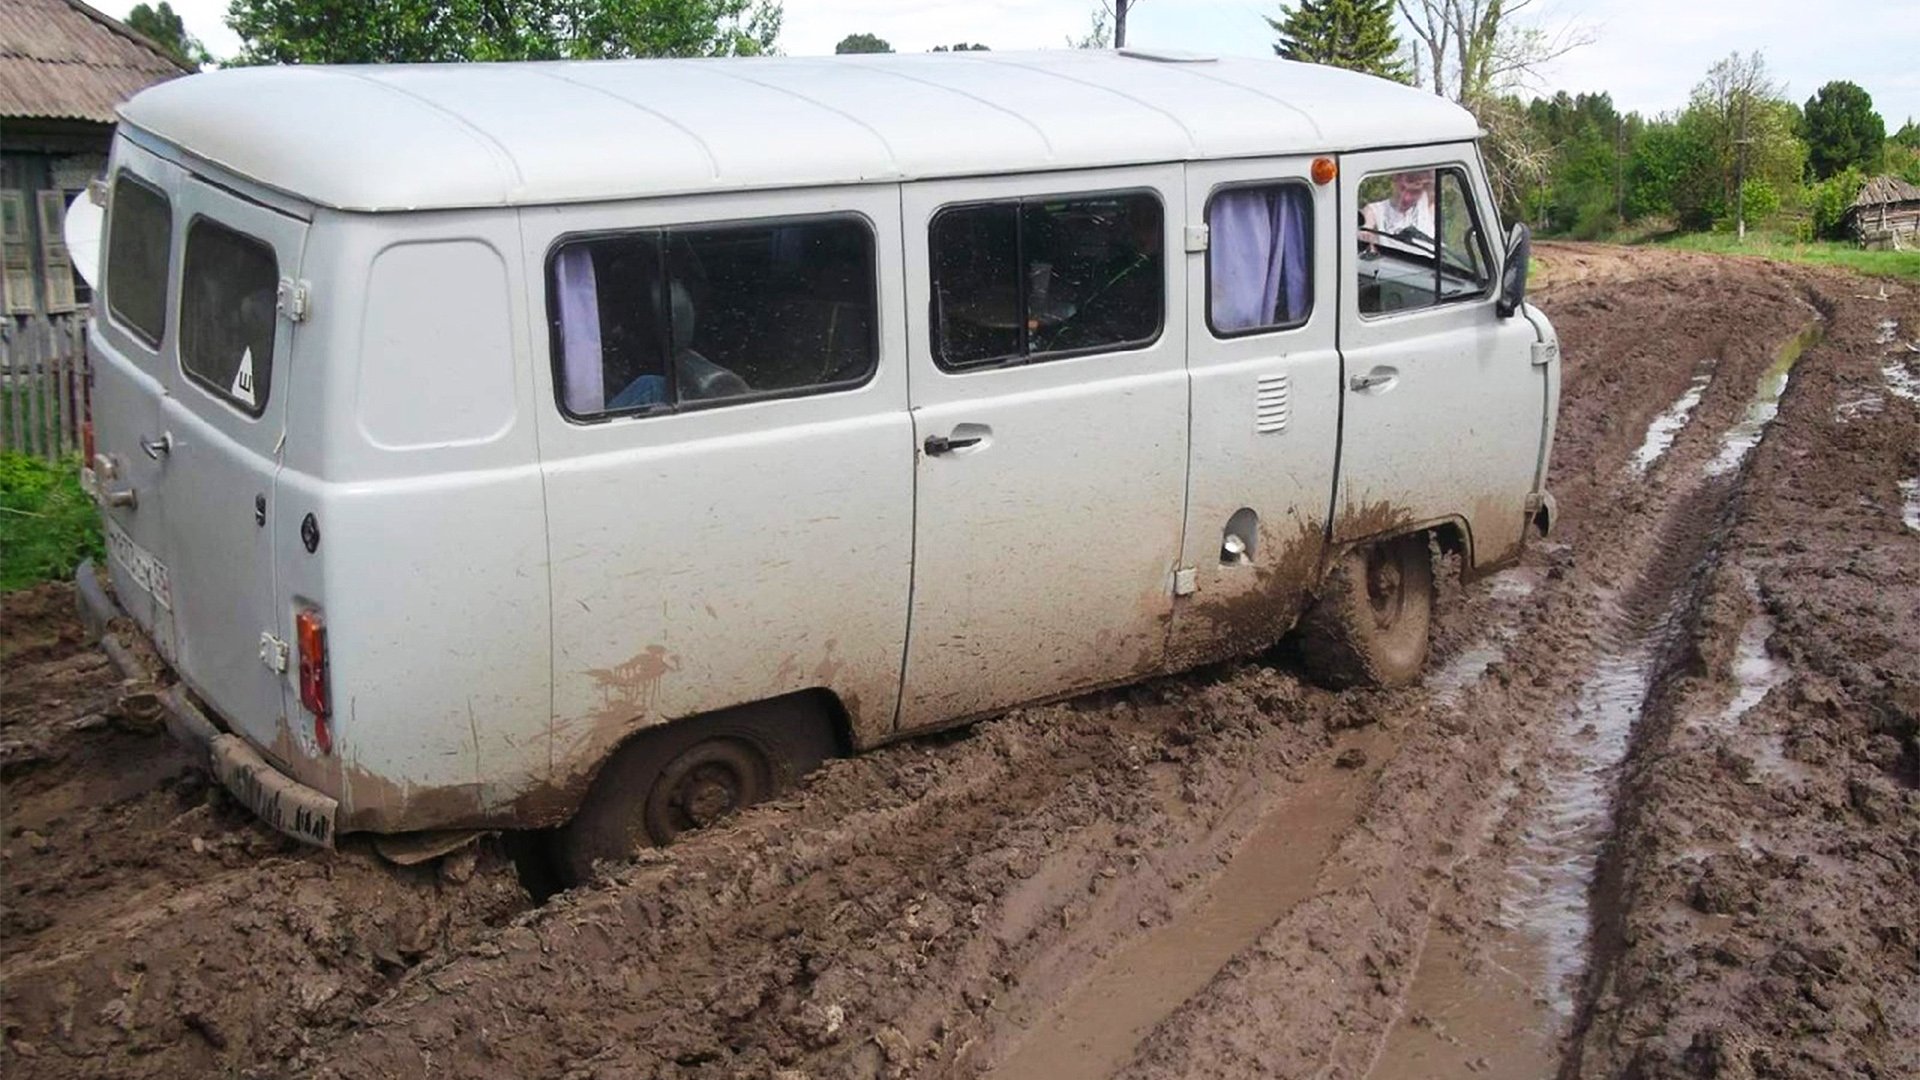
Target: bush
47,522
1827,203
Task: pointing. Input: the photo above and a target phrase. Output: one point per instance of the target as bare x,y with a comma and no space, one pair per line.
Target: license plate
145,570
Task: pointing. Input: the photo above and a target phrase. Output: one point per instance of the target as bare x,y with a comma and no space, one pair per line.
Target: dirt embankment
1229,873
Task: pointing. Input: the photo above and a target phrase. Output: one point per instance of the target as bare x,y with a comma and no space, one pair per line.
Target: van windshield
228,284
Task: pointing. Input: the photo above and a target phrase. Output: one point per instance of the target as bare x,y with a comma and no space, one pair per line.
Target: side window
1036,278
138,236
1420,241
661,319
227,286
1259,258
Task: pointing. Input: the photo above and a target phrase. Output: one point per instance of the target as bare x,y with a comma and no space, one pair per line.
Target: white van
604,444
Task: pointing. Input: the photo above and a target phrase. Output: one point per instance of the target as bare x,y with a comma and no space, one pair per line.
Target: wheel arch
817,706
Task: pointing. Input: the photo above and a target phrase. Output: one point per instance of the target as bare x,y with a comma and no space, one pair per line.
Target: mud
1651,813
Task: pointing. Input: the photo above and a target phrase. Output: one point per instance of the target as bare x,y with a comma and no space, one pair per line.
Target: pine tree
1354,34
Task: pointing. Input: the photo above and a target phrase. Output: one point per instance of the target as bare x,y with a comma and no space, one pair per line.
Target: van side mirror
1513,274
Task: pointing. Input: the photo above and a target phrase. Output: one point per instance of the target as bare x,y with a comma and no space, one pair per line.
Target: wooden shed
64,69
1886,214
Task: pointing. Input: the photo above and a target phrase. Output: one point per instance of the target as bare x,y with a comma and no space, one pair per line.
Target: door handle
157,448
942,444
1376,377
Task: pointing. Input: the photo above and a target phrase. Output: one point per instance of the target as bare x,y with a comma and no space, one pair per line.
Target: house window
1259,258
16,254
1040,278
659,320
228,286
139,232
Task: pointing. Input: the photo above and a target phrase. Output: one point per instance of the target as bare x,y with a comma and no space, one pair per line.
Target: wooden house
64,68
1886,214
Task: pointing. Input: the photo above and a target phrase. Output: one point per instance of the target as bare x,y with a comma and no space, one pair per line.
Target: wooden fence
44,396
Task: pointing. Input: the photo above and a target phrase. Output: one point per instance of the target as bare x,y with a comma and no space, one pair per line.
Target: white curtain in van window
582,373
1258,251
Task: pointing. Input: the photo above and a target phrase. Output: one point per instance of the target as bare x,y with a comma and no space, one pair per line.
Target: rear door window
1046,277
227,293
138,238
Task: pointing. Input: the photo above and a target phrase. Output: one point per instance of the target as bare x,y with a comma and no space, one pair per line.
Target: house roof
60,59
454,135
1886,189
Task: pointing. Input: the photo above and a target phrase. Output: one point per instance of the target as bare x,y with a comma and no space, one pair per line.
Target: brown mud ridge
1655,811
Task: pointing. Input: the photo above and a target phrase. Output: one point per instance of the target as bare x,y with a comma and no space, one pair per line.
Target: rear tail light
310,633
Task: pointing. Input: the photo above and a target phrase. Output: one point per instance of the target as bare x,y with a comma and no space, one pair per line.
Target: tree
1353,34
1099,34
1739,111
1842,129
962,47
162,26
861,43
397,31
1481,48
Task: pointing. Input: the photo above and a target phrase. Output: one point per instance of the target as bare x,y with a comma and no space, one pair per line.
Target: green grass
1899,264
47,522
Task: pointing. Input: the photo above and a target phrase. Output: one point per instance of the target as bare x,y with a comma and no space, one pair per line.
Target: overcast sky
1647,53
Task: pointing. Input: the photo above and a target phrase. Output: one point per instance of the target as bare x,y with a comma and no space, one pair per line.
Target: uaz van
601,445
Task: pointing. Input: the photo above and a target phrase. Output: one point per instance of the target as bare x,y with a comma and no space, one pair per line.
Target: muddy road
1655,811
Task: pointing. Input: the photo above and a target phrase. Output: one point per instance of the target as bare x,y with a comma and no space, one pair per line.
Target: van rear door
223,423
129,371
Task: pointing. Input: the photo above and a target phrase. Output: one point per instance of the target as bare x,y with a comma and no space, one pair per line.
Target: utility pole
1740,175
1120,22
1619,168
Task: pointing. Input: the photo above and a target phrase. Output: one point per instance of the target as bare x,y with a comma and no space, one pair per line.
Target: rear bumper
281,801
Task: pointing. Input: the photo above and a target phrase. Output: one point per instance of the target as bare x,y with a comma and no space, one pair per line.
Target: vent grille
1273,404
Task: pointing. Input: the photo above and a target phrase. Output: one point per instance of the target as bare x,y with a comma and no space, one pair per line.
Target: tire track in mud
1764,881
1497,999
1655,545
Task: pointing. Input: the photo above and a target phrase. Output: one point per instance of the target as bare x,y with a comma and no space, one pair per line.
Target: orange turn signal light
1324,170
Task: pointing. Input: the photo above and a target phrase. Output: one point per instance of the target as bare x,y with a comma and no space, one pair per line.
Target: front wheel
1369,625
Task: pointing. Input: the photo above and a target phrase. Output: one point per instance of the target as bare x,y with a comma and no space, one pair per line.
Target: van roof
431,136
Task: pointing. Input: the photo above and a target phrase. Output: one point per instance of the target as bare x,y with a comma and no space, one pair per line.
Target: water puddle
1094,1032
1447,682
1499,1008
1561,848
1869,404
1744,435
1901,380
1451,679
1910,503
1755,675
1667,426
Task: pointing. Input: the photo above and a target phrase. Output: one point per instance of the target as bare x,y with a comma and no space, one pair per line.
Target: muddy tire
1369,625
687,775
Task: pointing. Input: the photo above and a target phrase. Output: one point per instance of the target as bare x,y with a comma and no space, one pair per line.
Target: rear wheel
671,780
1369,625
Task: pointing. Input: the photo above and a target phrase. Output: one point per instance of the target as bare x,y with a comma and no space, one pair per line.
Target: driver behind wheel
1408,208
